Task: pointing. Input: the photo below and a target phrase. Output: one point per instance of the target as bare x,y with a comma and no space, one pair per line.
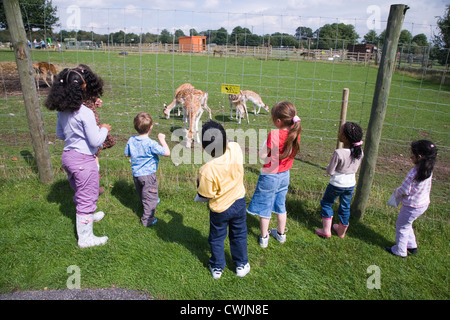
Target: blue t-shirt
144,155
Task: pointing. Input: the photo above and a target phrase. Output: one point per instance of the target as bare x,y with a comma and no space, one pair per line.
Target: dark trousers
147,190
234,219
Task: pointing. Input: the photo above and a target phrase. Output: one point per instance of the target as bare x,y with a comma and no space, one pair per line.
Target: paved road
85,294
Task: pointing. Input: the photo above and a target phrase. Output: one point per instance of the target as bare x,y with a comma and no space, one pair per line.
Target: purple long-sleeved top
79,131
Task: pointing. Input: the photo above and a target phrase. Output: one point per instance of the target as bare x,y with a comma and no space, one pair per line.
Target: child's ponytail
426,153
286,112
354,134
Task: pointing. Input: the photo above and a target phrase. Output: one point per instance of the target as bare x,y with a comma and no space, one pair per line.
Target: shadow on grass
173,231
177,232
126,193
62,193
312,220
30,160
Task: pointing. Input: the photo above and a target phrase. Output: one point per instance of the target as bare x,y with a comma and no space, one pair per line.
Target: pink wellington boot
325,231
340,229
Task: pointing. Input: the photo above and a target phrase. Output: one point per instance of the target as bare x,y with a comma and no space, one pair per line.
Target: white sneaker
263,242
215,272
279,237
242,270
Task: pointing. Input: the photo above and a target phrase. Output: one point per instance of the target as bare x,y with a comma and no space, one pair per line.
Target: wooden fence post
379,105
28,85
343,118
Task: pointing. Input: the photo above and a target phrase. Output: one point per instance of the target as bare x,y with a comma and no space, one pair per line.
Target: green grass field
169,260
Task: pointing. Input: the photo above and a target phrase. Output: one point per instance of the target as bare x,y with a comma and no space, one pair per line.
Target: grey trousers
147,190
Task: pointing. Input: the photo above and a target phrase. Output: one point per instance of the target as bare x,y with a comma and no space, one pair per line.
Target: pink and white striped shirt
413,193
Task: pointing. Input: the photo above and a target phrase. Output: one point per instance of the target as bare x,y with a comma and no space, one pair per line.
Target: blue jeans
234,218
270,194
345,197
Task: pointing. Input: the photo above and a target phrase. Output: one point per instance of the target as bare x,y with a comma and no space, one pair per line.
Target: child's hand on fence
162,140
107,126
98,103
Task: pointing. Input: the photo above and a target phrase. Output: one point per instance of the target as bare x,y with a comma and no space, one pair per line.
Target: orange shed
192,43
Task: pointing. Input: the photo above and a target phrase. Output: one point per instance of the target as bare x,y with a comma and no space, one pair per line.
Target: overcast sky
259,16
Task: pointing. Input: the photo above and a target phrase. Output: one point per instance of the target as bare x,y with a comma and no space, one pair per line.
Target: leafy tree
239,36
420,40
405,37
178,33
219,36
278,39
441,42
117,37
302,33
149,37
371,37
193,32
36,14
165,36
336,36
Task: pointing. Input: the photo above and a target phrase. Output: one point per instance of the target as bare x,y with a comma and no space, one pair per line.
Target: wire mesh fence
138,54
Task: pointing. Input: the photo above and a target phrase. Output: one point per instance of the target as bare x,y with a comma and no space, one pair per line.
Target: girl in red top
278,154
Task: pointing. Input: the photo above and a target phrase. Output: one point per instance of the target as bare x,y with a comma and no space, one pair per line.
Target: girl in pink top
414,194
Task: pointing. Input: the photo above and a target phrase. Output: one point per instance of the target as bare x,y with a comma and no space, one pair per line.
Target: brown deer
255,99
180,95
193,110
176,101
238,101
44,68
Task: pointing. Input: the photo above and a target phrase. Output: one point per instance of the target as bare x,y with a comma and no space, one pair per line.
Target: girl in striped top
414,194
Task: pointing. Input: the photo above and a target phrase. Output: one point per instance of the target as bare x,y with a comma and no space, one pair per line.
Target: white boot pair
85,225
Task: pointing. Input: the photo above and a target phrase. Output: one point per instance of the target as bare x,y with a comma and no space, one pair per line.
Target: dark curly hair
354,134
426,153
94,84
68,92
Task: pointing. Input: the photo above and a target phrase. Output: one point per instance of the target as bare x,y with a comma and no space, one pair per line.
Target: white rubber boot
85,233
98,216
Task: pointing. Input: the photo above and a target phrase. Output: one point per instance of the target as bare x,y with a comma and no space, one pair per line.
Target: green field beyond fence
169,260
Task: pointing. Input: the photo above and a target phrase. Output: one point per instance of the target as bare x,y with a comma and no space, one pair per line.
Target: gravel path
85,294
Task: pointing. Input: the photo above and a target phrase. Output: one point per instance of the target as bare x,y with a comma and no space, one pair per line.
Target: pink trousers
82,172
404,233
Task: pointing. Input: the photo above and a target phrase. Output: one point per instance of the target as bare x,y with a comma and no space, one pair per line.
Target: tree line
40,19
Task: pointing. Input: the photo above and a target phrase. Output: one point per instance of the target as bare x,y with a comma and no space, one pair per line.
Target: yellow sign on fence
230,88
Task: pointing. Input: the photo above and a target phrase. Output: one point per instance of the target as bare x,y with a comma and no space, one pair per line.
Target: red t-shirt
276,143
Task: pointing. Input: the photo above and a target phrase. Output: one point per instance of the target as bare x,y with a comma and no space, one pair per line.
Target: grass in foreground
169,260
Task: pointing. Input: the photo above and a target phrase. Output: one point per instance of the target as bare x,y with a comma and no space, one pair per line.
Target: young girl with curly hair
77,127
94,90
342,168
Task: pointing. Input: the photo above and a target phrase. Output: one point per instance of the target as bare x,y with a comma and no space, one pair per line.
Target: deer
180,95
193,110
176,102
44,68
238,101
255,99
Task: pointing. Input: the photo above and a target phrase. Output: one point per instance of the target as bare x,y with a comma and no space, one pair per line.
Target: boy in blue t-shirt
144,163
